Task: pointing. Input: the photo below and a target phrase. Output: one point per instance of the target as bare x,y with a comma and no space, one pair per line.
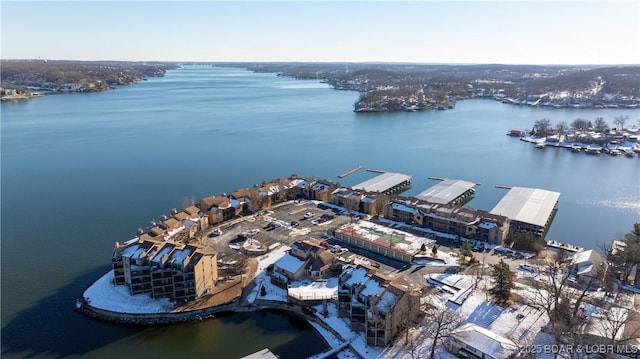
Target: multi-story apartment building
379,305
163,263
450,219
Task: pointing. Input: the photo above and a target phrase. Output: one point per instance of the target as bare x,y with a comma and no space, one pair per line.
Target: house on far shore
473,341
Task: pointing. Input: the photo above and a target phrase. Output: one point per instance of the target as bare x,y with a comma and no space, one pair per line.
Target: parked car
294,224
216,232
307,215
253,232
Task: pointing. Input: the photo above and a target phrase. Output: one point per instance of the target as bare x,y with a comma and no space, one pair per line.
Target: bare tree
600,124
542,127
441,325
562,127
620,121
581,124
618,322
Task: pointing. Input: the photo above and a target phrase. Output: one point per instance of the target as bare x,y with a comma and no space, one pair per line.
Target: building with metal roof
448,191
474,341
387,183
529,209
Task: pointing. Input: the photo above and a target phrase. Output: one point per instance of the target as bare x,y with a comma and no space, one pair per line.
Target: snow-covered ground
341,325
104,295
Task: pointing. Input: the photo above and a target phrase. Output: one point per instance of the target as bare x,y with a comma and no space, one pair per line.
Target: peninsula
373,271
24,79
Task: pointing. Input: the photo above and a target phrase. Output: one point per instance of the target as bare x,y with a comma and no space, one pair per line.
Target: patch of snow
104,295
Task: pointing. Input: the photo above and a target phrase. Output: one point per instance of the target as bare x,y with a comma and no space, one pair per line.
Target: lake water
81,171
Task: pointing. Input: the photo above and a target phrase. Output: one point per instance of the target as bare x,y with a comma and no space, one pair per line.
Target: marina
40,152
621,143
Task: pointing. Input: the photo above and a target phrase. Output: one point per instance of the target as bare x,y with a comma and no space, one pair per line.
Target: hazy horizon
327,62
413,32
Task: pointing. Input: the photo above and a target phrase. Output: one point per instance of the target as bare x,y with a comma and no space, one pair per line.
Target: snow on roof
305,290
381,235
262,354
486,225
289,263
319,186
402,207
371,287
102,294
582,257
133,251
387,302
485,341
165,250
355,275
297,183
446,191
383,182
180,255
527,205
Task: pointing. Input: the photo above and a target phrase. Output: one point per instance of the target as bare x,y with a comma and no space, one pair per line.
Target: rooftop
445,192
383,182
384,236
527,205
290,263
482,339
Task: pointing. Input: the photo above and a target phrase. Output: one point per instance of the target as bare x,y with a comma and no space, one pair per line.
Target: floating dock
351,171
376,171
566,247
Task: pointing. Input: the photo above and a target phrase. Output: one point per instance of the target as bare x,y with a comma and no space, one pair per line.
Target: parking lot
275,226
291,221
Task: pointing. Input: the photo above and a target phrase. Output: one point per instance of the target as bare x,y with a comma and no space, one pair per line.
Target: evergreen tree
465,251
434,250
503,278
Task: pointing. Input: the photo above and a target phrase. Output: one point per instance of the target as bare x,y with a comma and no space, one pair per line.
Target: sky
507,32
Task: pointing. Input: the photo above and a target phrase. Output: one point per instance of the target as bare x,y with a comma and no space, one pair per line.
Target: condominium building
166,262
377,304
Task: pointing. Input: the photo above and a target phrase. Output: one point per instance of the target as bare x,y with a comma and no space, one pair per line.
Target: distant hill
411,87
75,76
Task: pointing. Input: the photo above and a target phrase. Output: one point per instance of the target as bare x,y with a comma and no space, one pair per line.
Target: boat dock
351,171
566,247
386,183
375,171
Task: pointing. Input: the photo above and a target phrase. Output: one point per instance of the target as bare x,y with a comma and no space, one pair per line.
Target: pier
566,247
349,172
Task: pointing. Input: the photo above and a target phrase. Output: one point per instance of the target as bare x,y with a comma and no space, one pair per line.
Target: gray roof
262,354
382,182
446,191
485,341
527,205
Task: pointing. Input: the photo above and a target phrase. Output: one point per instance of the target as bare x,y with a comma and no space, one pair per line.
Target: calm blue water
82,171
